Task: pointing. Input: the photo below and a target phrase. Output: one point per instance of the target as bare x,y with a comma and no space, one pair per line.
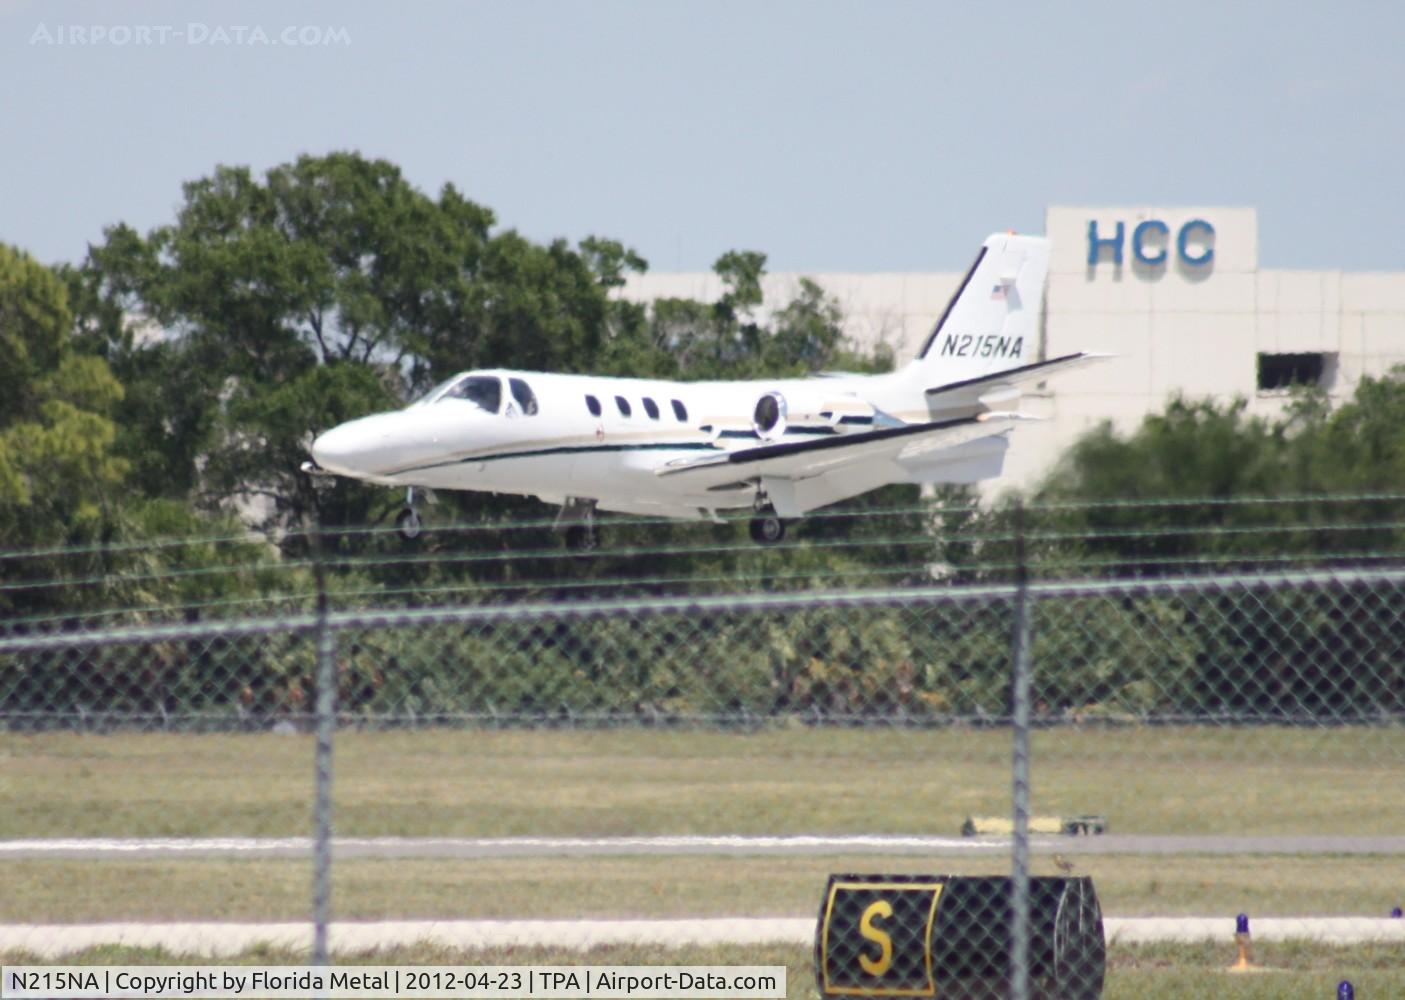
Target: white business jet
780,447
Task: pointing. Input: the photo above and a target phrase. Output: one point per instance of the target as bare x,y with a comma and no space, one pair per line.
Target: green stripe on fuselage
566,450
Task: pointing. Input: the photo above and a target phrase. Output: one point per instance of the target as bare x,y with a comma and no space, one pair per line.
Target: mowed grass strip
1260,780
68,891
1302,970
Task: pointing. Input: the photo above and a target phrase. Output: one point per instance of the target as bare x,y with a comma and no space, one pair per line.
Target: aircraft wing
814,457
1002,388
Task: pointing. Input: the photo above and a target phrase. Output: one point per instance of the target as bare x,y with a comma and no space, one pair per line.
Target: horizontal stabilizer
1004,388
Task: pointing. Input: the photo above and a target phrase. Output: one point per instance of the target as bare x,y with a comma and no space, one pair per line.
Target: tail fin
992,322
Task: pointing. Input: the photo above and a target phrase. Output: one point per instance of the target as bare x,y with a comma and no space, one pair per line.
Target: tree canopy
58,467
1225,471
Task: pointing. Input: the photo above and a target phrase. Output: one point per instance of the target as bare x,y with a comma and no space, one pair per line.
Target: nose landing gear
407,522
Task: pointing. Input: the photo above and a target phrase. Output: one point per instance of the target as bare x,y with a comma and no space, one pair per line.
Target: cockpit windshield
432,394
484,391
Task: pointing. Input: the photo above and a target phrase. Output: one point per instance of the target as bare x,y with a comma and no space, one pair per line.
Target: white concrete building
1175,293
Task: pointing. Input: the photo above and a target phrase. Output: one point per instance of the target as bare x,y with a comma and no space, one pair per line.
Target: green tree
1195,450
58,472
274,307
34,322
1191,449
1359,446
1213,460
60,479
1205,486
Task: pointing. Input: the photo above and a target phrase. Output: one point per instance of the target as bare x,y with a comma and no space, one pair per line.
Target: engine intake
768,419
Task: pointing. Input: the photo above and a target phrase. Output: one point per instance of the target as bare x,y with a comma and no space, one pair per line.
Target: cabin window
484,391
526,399
680,411
651,408
623,404
593,405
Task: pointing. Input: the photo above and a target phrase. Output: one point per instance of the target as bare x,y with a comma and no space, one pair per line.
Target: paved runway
586,847
221,939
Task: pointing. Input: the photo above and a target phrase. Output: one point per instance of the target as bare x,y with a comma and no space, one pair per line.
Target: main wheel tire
582,538
767,529
408,524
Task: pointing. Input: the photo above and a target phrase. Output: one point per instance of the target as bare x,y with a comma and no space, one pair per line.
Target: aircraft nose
338,449
377,446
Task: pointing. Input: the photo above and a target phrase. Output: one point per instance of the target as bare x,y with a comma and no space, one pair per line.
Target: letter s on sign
881,908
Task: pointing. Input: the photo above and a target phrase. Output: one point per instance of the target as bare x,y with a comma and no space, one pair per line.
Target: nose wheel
408,522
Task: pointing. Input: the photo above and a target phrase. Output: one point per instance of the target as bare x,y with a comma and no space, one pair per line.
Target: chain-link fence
1228,731
1315,647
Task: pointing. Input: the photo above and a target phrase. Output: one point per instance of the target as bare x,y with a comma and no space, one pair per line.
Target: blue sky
831,136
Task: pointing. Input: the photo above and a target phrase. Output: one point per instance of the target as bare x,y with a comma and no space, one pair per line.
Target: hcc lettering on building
1151,243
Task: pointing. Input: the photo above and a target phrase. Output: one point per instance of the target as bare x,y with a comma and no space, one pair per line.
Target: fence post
1019,861
326,724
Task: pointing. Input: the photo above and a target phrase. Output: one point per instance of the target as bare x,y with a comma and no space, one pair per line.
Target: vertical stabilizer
992,322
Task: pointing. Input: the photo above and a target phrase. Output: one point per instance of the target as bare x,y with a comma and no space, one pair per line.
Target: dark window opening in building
593,405
651,408
1282,371
623,404
680,411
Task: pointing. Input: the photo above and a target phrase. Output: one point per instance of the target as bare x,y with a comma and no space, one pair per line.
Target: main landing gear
767,528
578,517
407,522
583,539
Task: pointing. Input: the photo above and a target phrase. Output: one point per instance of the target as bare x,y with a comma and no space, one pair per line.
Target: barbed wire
555,553
694,604
574,588
561,588
726,517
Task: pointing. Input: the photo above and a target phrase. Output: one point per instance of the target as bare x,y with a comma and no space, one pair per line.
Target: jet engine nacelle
775,413
769,419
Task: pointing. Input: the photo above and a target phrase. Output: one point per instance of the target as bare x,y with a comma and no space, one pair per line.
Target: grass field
1191,780
51,891
635,782
1145,972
